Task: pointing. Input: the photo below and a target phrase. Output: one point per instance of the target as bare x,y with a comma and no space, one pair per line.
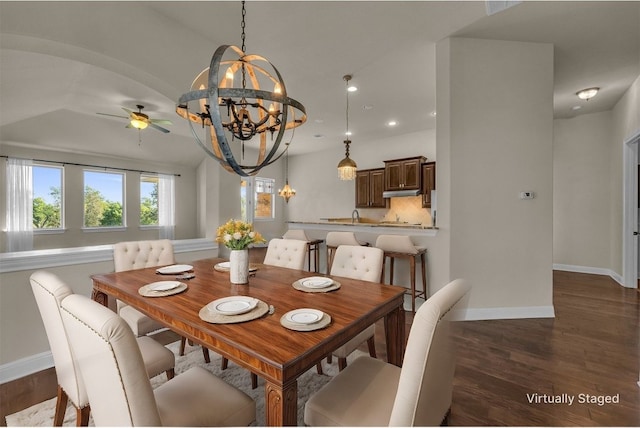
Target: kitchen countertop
366,226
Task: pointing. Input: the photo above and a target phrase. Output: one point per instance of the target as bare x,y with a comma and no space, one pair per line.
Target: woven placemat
324,321
146,290
252,268
298,286
214,317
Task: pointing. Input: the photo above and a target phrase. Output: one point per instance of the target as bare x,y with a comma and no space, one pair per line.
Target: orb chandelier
286,192
235,108
347,167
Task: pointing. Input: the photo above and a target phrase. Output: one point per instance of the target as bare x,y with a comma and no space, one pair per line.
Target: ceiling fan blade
127,110
161,121
159,128
129,125
113,115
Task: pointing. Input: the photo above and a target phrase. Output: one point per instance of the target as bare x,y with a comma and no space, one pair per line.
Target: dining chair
143,254
357,262
49,290
334,240
371,392
286,253
120,395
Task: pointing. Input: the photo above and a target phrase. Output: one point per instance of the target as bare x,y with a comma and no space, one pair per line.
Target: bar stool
399,246
335,239
313,246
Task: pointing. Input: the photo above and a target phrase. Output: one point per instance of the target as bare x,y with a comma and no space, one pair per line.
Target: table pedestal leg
100,297
281,404
394,330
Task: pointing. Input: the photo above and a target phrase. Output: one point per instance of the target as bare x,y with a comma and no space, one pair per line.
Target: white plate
164,285
224,265
173,269
304,316
316,282
233,305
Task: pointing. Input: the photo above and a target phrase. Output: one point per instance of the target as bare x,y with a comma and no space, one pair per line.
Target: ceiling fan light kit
230,100
140,121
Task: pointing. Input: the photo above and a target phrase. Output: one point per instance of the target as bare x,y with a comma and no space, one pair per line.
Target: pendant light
347,167
230,99
286,192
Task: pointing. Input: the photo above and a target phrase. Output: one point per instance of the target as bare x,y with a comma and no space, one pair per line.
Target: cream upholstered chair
49,291
120,395
286,253
358,262
371,392
137,255
334,240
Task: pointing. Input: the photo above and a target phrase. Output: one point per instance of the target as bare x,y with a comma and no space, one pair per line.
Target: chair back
296,234
426,380
396,244
286,253
335,239
358,262
142,254
110,363
49,291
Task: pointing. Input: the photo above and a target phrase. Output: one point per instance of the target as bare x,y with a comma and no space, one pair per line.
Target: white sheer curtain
19,205
166,206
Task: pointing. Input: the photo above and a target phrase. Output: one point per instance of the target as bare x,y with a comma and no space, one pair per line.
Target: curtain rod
90,166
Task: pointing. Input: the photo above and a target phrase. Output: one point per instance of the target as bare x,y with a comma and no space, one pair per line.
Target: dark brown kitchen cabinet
403,174
428,182
369,188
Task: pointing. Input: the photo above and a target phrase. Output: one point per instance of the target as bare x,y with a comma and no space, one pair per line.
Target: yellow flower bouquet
238,235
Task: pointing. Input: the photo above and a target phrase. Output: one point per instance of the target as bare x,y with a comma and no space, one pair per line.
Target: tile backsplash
407,209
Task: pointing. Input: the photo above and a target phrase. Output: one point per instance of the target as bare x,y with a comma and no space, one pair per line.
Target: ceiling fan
140,121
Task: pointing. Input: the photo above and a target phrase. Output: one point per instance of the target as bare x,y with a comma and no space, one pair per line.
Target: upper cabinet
369,188
428,182
403,174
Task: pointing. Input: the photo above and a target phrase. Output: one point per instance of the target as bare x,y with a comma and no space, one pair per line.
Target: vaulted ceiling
63,62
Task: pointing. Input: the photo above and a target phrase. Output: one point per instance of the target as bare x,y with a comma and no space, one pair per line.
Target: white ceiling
62,62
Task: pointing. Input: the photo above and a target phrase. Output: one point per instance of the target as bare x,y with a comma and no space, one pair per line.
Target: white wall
626,122
581,210
497,131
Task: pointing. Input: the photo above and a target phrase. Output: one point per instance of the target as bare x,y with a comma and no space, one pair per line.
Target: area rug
42,414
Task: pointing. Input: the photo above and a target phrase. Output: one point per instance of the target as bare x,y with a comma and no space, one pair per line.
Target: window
263,199
264,206
148,200
103,199
47,197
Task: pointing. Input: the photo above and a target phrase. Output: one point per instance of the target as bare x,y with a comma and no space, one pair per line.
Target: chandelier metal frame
246,113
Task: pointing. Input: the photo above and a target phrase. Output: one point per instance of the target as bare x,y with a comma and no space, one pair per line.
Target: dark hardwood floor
592,348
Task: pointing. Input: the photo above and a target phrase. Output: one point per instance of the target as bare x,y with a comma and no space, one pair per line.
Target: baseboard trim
25,366
484,314
592,270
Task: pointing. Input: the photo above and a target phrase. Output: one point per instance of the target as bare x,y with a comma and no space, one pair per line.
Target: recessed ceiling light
367,107
576,107
392,123
433,113
587,94
319,121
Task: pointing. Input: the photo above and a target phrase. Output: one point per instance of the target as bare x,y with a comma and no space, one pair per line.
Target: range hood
400,193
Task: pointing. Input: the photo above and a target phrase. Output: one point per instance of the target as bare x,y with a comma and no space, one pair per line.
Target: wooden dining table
264,346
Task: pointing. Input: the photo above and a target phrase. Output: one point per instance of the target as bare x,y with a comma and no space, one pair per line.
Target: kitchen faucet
355,217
